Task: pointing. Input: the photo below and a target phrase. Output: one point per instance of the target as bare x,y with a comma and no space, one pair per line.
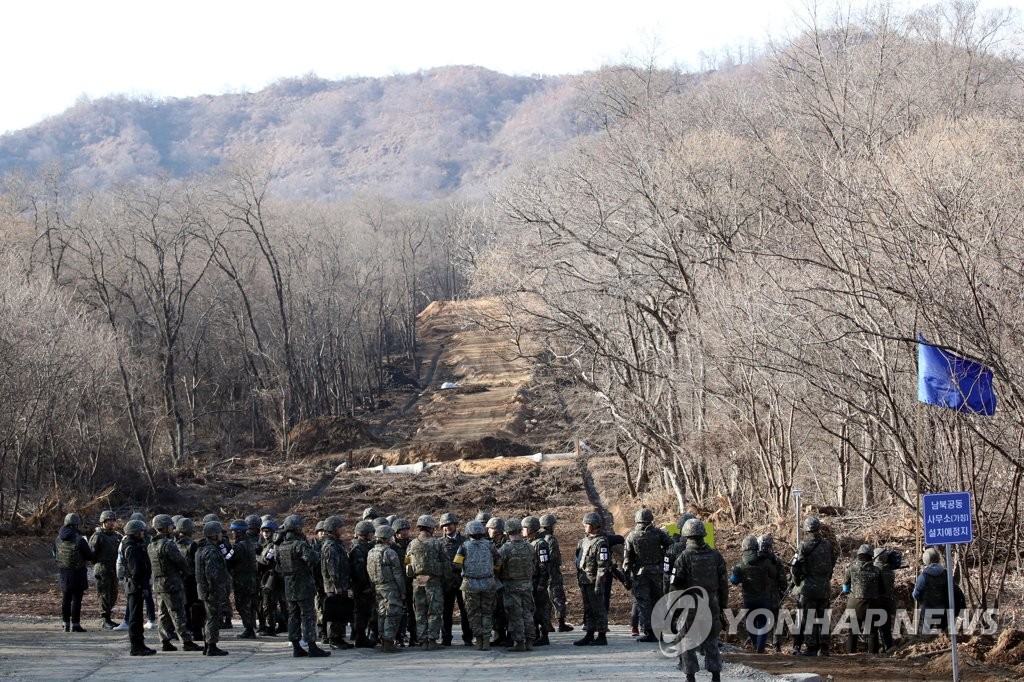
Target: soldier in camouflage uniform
541,580
758,575
863,586
700,566
812,575
72,551
296,560
452,540
518,559
478,558
334,566
430,569
673,552
778,587
135,568
363,592
388,576
169,571
318,578
643,561
407,629
195,615
496,532
556,584
104,543
273,607
212,582
887,562
593,571
245,577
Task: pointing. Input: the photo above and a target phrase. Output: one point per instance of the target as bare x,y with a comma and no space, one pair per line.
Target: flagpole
951,614
919,449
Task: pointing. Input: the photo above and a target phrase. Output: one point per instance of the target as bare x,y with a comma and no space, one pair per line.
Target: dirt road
34,649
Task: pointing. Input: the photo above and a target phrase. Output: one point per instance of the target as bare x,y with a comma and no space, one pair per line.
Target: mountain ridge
434,133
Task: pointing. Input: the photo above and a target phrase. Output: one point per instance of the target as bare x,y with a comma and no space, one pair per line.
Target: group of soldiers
398,583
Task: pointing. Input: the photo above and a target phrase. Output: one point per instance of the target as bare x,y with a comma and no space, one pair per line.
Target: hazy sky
55,51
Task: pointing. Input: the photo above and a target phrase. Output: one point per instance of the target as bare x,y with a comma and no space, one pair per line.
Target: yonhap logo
682,620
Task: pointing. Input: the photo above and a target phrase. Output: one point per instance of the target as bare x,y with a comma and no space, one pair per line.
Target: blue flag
950,381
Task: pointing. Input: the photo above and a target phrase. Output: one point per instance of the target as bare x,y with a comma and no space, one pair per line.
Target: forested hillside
416,136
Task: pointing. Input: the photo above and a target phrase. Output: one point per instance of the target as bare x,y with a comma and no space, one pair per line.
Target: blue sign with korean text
947,519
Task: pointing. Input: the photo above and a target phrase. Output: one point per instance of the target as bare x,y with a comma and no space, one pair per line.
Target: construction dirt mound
329,434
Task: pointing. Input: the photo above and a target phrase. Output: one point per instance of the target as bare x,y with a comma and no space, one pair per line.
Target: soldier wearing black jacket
138,572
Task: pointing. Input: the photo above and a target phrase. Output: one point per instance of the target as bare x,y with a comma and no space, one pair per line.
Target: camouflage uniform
194,613
169,571
363,593
334,566
593,571
500,617
812,575
212,582
518,559
762,580
478,558
643,560
453,595
245,579
864,586
297,560
104,545
273,605
701,566
556,583
429,568
385,569
541,582
408,627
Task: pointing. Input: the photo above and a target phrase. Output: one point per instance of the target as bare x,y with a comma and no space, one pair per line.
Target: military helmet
447,518
318,527
693,528
426,521
531,523
765,543
137,516
185,525
881,554
135,526
644,515
333,523
72,519
548,520
930,556
513,525
364,527
267,517
749,543
211,517
684,518
384,532
865,550
292,522
369,514
400,524
483,517
268,524
161,521
380,521
252,522
812,524
474,527
391,518
239,526
212,528
497,523
107,515
592,519
175,518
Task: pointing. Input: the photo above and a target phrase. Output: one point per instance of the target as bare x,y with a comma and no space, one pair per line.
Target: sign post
948,521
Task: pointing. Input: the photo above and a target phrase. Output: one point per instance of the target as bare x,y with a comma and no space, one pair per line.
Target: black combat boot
340,643
247,634
67,626
167,646
214,650
600,640
648,636
716,677
317,652
298,651
563,626
587,639
191,646
542,640
690,677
